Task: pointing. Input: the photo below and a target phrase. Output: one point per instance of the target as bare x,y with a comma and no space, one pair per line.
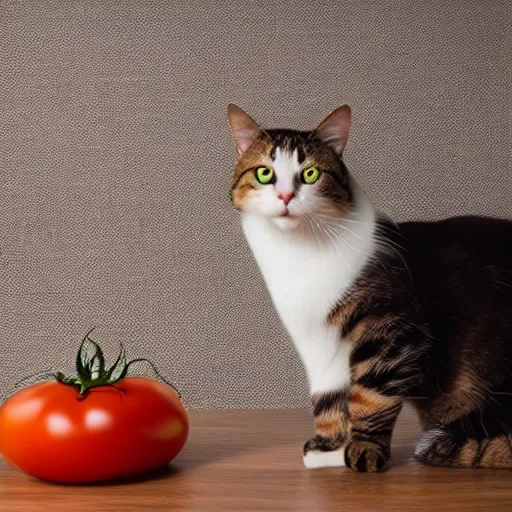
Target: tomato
47,431
97,426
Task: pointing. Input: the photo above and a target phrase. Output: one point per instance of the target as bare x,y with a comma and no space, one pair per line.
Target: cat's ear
245,129
334,129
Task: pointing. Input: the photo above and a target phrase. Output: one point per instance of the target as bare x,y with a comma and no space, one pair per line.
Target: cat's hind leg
481,439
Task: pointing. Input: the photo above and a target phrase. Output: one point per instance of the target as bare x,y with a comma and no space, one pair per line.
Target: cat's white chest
304,281
306,278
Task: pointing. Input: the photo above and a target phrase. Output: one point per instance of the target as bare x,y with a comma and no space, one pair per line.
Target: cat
379,313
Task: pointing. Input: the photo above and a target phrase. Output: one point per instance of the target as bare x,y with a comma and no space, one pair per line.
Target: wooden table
251,460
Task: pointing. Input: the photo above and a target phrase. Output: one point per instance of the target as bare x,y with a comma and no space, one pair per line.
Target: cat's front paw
322,452
365,456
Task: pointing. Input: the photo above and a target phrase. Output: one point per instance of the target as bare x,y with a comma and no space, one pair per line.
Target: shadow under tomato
153,475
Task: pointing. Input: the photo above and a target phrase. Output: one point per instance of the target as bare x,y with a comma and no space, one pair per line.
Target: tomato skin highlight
47,432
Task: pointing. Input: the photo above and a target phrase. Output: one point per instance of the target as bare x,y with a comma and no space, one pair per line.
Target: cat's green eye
264,175
310,175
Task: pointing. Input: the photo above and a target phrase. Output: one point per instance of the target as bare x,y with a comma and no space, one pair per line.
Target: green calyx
92,370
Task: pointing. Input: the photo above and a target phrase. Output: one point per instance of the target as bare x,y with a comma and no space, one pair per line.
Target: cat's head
291,176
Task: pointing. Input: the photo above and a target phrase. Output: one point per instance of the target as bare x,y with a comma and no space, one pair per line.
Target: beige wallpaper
115,161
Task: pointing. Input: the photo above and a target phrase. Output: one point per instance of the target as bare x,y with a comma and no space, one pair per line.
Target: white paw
317,459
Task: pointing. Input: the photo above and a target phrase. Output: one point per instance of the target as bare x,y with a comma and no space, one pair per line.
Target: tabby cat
379,313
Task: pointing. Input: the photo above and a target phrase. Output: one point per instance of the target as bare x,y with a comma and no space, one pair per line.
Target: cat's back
468,242
467,228
460,255
462,273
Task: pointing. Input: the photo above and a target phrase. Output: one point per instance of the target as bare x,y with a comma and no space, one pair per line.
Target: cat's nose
286,197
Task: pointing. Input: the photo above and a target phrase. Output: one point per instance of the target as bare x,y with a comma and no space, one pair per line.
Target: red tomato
50,434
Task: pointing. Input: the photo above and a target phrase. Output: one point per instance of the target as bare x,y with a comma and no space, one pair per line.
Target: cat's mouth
286,221
286,212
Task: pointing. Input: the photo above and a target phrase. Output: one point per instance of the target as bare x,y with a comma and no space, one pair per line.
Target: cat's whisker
342,239
391,219
388,240
310,221
340,224
338,249
355,221
336,246
383,227
351,232
379,226
382,240
323,234
339,236
383,243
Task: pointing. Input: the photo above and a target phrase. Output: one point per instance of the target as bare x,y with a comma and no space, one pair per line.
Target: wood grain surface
251,460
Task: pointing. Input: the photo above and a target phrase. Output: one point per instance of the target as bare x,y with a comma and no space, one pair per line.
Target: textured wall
115,161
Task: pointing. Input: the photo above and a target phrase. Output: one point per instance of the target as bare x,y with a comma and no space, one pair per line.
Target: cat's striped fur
370,331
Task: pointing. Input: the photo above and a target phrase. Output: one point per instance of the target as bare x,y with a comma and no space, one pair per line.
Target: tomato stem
92,371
